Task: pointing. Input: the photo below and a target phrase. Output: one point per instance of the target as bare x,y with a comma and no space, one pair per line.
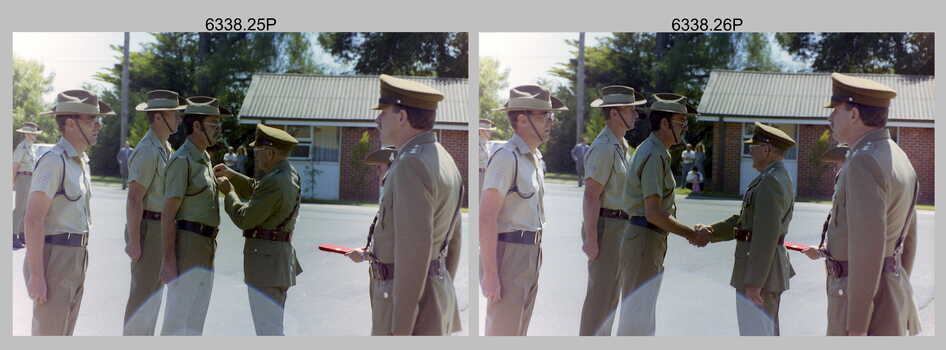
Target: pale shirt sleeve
47,175
598,163
499,172
142,166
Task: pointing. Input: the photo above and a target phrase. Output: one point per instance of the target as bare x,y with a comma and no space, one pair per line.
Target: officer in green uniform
143,242
266,210
652,208
512,213
189,220
762,268
58,215
870,236
605,223
414,243
24,158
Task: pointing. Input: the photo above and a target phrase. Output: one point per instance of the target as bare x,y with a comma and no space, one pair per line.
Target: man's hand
133,249
168,270
701,235
491,288
36,288
591,249
357,255
223,184
221,170
755,294
812,253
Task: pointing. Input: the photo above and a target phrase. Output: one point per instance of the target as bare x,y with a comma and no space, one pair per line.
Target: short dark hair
513,116
61,119
189,120
656,116
422,119
151,115
870,115
607,112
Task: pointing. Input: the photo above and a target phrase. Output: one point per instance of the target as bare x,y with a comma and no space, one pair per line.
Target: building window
326,144
791,129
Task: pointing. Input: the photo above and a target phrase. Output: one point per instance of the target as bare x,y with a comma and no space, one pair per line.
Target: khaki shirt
267,203
421,193
606,163
146,166
518,213
767,209
189,176
871,205
25,154
70,211
650,174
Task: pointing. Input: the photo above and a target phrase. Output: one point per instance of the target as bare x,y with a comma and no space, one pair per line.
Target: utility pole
580,89
124,93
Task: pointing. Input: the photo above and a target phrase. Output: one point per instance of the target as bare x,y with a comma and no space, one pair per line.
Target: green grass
112,181
561,178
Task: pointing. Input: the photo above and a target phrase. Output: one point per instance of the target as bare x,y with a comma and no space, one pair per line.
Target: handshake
701,235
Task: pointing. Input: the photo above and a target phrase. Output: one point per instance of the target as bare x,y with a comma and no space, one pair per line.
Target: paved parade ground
330,296
695,297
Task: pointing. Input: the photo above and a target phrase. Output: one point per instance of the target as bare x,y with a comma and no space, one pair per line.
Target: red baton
331,248
795,246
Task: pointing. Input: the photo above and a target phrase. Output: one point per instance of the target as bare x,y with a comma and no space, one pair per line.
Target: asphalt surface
695,297
330,296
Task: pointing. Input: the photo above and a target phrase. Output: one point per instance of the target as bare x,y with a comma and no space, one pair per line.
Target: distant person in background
695,179
230,158
122,157
24,158
486,129
241,159
688,160
700,157
578,155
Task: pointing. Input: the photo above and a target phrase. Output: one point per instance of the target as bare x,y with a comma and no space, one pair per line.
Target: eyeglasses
548,116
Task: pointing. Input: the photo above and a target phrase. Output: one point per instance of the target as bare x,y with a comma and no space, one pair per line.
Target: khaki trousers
65,268
519,283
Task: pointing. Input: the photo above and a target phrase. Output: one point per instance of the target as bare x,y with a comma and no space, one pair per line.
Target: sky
530,56
76,57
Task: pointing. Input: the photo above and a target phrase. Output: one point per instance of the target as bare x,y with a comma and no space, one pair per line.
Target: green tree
493,82
436,54
210,64
30,82
900,53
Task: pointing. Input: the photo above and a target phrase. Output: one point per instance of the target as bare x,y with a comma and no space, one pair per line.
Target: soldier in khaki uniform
652,208
870,233
145,201
189,220
512,213
414,243
762,268
58,215
605,223
266,210
24,159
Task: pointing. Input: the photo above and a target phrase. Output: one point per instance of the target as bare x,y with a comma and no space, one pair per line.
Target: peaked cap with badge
770,135
399,91
846,88
273,137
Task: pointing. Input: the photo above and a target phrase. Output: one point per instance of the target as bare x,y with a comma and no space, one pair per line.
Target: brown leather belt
613,214
268,235
383,272
27,173
198,228
521,237
746,236
151,215
839,269
68,239
642,222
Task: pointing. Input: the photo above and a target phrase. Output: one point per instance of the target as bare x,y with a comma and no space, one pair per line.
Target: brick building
794,102
332,118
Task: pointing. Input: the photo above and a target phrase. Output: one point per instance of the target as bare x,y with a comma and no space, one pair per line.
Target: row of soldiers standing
172,217
629,209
